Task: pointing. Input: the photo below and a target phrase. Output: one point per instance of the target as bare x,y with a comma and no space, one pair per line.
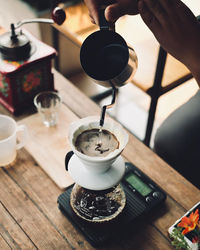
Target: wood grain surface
49,145
29,214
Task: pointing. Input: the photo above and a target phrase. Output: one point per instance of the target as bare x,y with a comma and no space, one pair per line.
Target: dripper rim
75,126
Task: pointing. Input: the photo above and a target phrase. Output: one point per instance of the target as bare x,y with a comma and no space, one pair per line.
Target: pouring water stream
102,118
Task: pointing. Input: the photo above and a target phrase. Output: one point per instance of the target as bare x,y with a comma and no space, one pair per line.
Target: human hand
113,9
176,29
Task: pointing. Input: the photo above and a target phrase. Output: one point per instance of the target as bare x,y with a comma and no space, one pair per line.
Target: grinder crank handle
58,16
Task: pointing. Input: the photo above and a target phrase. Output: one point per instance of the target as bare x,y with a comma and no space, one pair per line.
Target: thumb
113,12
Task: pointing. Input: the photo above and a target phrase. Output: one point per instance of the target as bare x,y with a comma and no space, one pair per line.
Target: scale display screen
138,184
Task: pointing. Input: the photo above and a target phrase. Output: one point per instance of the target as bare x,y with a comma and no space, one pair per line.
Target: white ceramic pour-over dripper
97,164
97,173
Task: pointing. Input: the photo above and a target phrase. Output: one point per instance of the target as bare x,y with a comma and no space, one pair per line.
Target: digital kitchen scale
142,196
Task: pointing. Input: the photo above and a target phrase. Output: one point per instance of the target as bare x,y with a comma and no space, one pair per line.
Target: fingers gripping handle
103,23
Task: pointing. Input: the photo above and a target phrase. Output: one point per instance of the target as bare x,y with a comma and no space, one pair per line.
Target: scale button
156,194
149,199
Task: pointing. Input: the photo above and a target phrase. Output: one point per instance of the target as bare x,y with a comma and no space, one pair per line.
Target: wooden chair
160,87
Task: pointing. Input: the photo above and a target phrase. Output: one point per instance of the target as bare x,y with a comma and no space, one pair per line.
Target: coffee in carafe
97,206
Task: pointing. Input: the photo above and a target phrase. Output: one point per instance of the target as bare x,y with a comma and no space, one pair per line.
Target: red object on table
21,80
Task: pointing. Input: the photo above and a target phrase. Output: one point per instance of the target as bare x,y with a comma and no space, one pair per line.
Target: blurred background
132,106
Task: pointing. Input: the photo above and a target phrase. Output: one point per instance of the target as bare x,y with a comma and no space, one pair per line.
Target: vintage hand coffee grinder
25,64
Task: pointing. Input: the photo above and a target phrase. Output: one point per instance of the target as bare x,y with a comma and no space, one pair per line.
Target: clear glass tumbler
47,104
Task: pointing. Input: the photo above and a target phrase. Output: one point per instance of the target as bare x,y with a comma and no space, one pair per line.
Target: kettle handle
103,23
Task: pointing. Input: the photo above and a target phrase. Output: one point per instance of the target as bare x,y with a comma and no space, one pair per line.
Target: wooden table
30,218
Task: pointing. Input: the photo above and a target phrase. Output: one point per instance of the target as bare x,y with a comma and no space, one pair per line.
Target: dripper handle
67,158
103,23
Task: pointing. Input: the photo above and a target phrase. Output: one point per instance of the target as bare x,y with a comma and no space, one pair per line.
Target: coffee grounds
96,143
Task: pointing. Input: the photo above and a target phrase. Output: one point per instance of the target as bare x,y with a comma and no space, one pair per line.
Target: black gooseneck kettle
106,57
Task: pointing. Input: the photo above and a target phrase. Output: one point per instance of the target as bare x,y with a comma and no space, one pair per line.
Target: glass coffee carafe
97,206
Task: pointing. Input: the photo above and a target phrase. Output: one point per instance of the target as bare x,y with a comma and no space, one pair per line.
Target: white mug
8,139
